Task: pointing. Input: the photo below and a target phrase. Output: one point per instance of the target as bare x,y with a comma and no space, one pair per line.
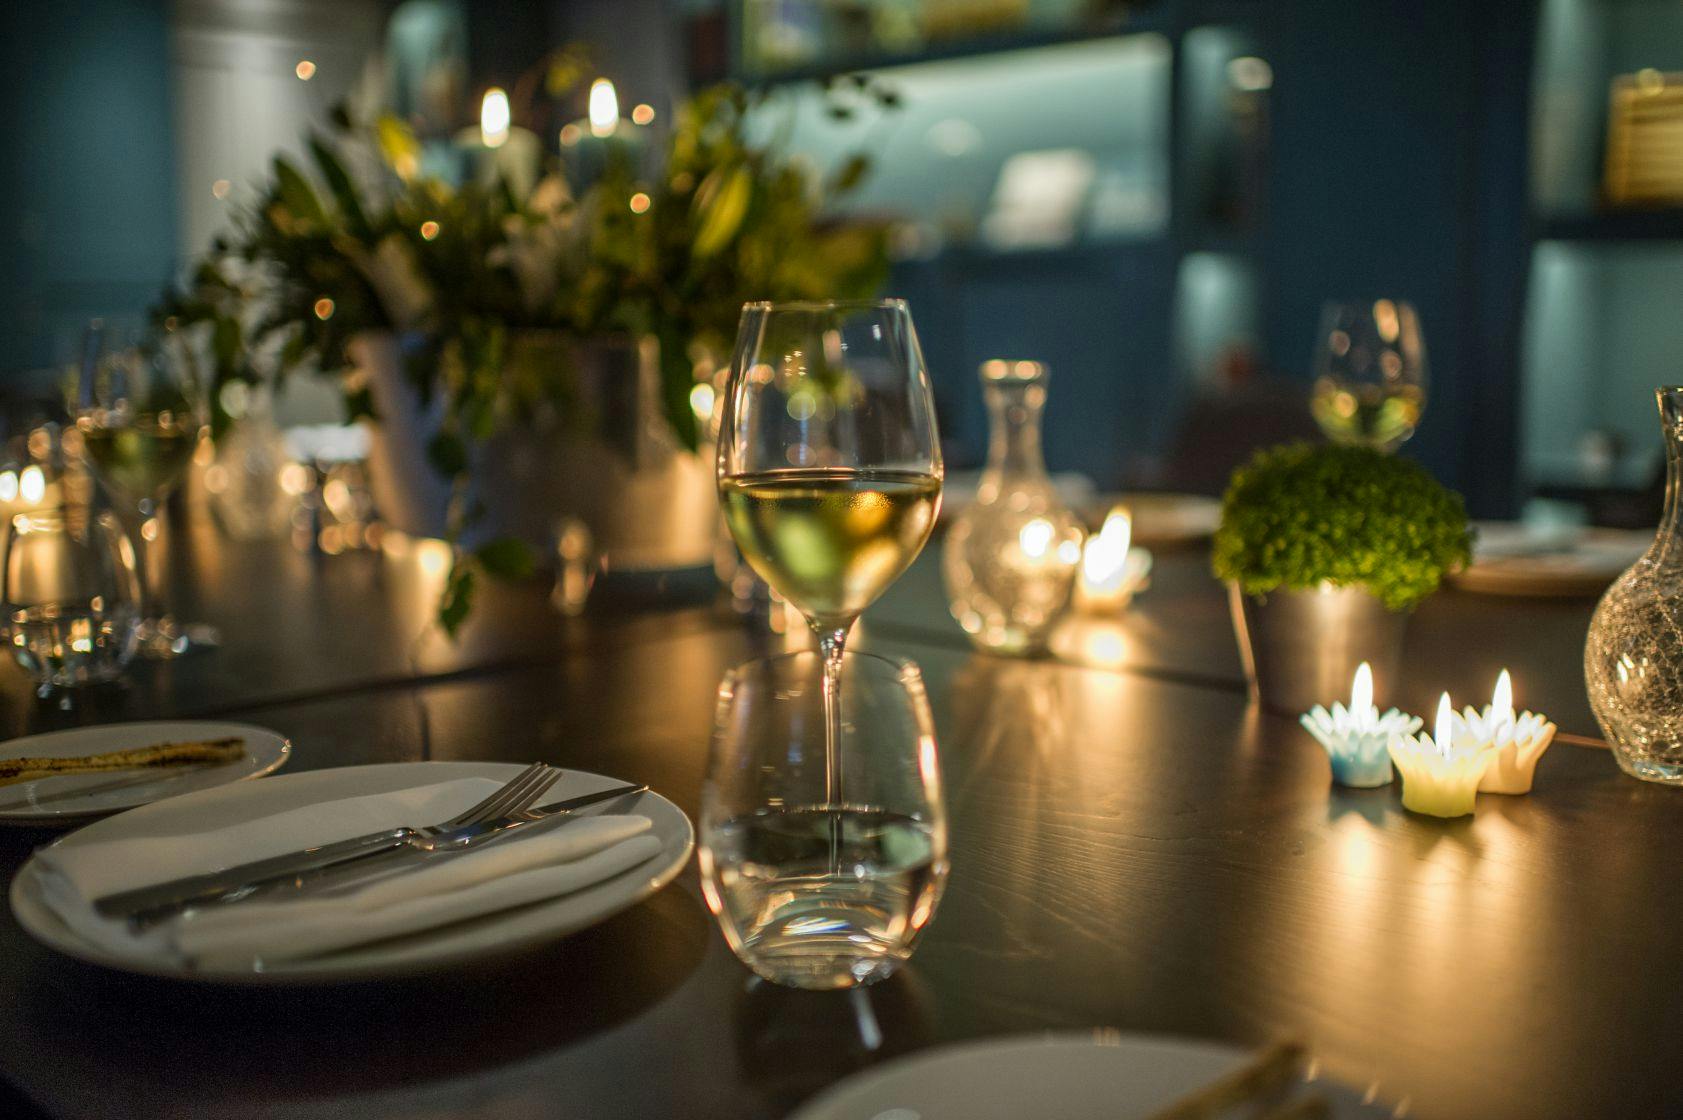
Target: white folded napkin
547,861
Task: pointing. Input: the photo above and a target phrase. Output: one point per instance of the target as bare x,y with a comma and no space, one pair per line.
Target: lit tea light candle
1358,739
1440,772
1112,571
1515,743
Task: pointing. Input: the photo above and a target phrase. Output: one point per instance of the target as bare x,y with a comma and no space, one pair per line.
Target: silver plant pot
1301,648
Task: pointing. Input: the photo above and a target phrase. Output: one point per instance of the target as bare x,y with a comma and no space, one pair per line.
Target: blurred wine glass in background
140,413
1370,373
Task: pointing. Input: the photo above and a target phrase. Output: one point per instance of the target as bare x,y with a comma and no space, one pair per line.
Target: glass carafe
1011,557
1633,659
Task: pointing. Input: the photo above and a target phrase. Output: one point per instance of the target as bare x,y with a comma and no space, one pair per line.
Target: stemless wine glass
1370,373
71,597
139,419
809,892
829,463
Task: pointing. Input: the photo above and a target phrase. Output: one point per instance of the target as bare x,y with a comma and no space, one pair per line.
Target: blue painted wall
87,172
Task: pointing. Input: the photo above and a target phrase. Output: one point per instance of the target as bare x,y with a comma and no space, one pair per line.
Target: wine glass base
165,639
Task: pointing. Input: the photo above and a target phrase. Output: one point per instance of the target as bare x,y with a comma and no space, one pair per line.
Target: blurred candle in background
1112,571
602,137
499,148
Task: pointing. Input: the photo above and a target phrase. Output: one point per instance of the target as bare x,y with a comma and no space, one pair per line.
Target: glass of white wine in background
139,418
829,466
772,841
1370,373
71,597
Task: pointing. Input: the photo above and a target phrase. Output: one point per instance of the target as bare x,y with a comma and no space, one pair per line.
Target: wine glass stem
148,556
830,643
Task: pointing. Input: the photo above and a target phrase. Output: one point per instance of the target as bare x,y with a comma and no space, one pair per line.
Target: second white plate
1103,1075
73,798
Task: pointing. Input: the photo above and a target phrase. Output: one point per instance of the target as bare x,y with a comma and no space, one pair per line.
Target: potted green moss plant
1325,550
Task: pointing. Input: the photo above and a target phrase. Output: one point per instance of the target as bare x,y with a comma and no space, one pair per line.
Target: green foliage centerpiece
662,241
1324,548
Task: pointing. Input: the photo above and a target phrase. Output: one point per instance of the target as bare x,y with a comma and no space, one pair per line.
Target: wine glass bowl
138,422
1370,373
829,464
71,597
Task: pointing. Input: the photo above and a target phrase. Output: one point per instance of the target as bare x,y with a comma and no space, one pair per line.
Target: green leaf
297,195
850,174
448,454
398,144
722,201
339,182
507,558
457,600
677,379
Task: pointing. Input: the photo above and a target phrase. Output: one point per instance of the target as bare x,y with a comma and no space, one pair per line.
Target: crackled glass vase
1010,558
1633,660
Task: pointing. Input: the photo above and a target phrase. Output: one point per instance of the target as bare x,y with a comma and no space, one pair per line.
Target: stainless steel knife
146,906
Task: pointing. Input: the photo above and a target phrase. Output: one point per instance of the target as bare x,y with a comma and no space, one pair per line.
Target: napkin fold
530,865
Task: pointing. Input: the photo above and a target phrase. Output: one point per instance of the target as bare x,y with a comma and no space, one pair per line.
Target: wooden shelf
1622,225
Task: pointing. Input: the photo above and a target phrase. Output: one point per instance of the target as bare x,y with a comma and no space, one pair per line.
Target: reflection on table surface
1133,847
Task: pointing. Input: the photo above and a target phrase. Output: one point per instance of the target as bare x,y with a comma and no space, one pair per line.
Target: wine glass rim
891,303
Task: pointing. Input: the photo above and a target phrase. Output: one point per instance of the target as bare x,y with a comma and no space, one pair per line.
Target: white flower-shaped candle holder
1441,772
1112,571
1357,739
1514,742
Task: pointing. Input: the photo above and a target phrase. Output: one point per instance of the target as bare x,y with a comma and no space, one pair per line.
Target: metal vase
1301,648
612,464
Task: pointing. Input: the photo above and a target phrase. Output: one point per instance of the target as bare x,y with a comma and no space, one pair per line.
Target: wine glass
772,840
139,419
829,464
71,597
1370,373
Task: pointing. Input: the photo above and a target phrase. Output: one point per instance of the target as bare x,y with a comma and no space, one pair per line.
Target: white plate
265,752
1098,1076
1511,558
465,941
1161,520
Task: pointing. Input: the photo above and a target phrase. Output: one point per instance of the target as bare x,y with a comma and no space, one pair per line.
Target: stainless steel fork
515,796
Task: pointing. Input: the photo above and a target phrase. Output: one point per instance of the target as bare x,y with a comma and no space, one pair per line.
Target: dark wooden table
1134,847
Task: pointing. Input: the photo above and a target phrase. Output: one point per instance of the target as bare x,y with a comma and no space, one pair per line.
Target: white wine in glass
141,460
829,469
830,540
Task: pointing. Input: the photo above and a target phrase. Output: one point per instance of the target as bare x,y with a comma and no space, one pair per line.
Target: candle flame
1502,703
32,485
1361,693
604,108
494,118
1444,731
1104,561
